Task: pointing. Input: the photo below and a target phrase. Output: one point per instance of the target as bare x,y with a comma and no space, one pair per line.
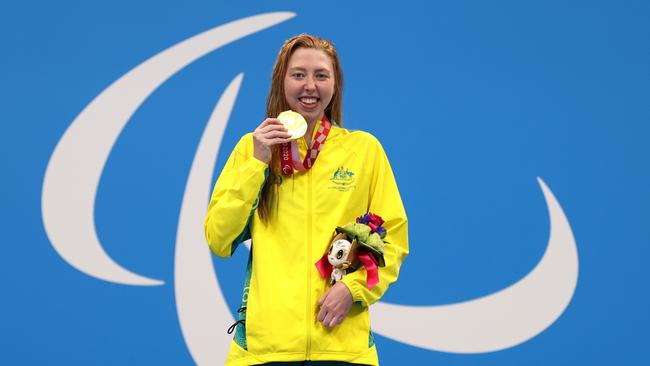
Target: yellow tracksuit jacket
351,176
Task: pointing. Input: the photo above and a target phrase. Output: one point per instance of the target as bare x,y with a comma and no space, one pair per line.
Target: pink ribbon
324,267
369,263
372,274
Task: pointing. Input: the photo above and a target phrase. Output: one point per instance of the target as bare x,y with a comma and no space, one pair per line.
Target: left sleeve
386,202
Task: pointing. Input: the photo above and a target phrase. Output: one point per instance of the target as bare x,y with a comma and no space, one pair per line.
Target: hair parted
277,103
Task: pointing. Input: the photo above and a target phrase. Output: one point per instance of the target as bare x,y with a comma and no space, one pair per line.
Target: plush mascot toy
354,245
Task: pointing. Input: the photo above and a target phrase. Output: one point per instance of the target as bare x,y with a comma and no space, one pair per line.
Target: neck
310,131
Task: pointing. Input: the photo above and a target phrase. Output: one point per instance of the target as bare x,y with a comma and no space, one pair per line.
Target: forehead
341,244
310,58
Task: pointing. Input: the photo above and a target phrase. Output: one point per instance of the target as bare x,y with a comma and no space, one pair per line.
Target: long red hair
277,103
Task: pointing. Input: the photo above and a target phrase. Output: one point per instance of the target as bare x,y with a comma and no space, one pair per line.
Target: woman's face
309,83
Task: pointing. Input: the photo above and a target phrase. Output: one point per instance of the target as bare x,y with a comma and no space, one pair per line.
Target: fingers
334,305
330,319
330,314
322,314
272,127
283,134
269,121
324,310
336,320
322,298
276,141
271,132
274,138
270,124
327,316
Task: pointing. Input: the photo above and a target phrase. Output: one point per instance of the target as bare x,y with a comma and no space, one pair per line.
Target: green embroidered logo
343,179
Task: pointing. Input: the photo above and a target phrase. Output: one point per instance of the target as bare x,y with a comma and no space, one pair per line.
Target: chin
312,115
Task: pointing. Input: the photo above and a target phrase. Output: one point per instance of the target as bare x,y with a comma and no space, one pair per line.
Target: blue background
472,101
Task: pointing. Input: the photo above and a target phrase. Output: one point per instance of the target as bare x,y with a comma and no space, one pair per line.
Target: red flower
375,221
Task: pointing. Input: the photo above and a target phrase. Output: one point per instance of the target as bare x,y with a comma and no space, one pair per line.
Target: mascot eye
330,251
339,254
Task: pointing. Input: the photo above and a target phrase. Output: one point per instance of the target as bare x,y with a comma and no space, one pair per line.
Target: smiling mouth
308,102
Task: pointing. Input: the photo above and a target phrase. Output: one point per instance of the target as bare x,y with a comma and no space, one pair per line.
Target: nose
310,84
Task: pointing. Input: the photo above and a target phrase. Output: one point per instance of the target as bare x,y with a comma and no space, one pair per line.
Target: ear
353,250
339,236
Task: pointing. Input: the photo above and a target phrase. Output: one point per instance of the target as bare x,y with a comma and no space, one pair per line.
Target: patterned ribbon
290,156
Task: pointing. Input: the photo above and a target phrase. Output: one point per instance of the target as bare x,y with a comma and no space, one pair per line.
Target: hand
270,132
335,305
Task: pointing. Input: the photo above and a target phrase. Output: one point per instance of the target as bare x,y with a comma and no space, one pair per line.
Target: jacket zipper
309,307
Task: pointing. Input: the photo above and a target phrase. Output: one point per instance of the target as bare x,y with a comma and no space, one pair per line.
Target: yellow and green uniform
351,176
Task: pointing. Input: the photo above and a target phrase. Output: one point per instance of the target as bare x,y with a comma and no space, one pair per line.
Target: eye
339,254
298,75
329,252
322,76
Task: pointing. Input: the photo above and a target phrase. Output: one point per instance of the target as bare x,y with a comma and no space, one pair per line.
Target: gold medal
293,122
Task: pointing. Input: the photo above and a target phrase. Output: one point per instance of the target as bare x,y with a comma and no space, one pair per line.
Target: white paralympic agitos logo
494,322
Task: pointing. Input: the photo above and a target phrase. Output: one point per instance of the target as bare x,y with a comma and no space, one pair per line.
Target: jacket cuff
355,287
253,164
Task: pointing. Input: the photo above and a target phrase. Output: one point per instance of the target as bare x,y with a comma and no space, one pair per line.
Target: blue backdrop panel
471,100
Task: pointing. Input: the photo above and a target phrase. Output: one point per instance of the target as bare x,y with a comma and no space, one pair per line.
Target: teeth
308,100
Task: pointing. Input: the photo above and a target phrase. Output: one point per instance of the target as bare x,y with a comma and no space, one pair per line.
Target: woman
290,313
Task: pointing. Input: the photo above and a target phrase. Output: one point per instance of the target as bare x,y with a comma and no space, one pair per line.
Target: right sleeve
386,202
234,199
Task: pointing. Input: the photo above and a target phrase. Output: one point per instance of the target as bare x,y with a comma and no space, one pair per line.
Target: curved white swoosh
500,320
202,311
76,165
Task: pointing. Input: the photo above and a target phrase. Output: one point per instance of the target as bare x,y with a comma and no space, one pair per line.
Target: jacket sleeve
234,199
386,202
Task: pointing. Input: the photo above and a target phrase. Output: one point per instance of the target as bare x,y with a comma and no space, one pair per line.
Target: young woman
289,312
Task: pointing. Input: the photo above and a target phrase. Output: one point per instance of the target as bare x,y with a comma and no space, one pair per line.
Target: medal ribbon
290,156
